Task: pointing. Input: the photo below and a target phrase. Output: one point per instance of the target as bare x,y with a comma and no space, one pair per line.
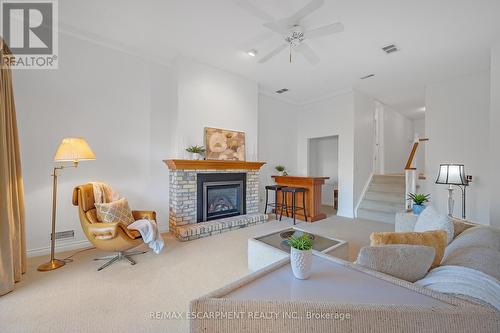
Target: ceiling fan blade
273,53
280,27
308,53
254,10
324,31
306,10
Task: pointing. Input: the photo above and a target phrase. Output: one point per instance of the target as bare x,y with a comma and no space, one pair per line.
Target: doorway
324,162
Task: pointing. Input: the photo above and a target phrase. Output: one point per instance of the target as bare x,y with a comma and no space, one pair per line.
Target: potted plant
301,255
196,152
281,169
418,201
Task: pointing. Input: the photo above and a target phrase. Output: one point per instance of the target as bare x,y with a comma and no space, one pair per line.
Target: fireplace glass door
222,199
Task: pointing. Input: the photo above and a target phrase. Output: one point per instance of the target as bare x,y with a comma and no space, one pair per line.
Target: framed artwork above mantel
223,144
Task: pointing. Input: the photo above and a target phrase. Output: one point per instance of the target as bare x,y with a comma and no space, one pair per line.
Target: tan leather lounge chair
113,237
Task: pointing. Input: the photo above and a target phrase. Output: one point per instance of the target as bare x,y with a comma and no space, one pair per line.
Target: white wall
495,137
277,139
364,142
330,117
210,97
457,122
324,162
121,105
398,138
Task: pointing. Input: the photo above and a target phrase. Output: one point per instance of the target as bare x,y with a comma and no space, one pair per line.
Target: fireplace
220,195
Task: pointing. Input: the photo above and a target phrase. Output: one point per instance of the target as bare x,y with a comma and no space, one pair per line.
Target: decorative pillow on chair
406,262
435,239
430,219
116,211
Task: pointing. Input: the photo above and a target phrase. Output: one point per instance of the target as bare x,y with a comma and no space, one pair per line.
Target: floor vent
390,48
281,91
65,234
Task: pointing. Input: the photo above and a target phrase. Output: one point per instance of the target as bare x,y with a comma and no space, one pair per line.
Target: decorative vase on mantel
196,156
301,262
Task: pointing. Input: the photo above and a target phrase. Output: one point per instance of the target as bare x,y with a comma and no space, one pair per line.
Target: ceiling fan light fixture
252,52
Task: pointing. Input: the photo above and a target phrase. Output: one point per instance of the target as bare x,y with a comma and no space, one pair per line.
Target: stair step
383,206
388,179
375,215
397,188
395,197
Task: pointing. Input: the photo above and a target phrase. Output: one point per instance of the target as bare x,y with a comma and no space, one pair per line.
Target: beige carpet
77,298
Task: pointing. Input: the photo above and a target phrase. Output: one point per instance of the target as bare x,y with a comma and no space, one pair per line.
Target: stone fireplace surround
183,216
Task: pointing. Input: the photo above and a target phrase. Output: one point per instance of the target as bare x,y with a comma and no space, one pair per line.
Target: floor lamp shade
74,150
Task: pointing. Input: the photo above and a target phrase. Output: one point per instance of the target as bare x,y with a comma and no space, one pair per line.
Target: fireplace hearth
220,195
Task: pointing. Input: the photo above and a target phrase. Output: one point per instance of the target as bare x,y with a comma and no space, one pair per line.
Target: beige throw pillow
406,262
116,211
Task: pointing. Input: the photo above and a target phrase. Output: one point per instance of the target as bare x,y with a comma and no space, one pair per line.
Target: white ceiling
439,39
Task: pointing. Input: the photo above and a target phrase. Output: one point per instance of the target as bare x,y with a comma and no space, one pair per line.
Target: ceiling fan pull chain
290,52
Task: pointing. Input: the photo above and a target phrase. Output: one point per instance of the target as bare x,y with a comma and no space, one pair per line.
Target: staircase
384,197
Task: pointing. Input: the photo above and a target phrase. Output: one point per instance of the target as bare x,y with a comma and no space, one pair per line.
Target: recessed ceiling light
252,52
422,109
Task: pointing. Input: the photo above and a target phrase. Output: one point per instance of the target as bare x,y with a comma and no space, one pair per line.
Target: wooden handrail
411,157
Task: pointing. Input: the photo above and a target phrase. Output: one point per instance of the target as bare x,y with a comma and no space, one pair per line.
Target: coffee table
270,248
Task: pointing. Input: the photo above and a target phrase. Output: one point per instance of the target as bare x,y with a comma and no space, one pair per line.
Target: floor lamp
453,174
70,150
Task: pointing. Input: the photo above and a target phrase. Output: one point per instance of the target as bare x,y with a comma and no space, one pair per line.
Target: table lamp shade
74,150
452,174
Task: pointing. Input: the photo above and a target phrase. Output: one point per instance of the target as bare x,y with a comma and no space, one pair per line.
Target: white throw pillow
430,219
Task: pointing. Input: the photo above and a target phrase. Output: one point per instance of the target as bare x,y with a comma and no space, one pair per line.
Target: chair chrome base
119,256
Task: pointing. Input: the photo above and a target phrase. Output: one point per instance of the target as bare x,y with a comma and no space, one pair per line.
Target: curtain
12,232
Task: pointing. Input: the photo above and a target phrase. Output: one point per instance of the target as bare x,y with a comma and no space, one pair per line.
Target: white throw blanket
463,281
103,193
150,233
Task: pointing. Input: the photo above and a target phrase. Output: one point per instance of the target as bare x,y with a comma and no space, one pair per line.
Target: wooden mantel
212,165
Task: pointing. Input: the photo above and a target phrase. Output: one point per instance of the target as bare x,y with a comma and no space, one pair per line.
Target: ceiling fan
293,33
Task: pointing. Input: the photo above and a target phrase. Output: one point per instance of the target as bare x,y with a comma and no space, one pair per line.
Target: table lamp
453,174
70,150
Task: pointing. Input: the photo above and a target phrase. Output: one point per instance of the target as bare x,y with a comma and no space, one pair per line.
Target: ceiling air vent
390,48
284,90
367,76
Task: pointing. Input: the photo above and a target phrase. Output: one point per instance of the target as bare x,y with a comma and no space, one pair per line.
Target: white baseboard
68,246
60,247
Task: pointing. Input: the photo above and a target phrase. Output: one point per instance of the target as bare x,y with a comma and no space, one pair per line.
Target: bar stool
293,207
275,205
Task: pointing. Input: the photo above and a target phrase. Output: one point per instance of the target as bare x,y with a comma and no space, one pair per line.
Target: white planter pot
301,263
195,156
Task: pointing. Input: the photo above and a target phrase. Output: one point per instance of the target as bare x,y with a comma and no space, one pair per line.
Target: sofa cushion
435,239
407,262
116,211
480,258
430,219
482,236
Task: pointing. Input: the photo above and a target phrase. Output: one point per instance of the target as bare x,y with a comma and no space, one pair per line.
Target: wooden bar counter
313,195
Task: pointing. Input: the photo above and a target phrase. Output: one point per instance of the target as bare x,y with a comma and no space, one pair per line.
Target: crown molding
111,44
